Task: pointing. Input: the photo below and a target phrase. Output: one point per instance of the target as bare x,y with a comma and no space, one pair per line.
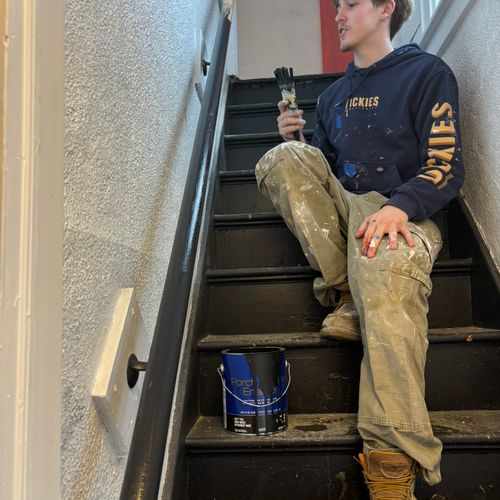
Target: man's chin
345,47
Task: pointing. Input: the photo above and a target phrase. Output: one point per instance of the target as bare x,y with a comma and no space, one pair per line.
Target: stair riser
241,156
242,198
252,92
326,380
245,198
272,244
266,121
290,306
264,307
323,380
257,246
332,475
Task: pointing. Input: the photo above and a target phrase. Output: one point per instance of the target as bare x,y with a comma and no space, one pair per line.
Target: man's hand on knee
289,122
388,220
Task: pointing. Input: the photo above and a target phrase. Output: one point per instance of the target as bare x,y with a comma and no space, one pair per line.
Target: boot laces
398,489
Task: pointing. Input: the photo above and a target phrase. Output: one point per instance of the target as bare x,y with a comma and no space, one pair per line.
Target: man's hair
400,15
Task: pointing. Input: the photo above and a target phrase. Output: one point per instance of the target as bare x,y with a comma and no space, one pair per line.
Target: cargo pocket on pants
415,274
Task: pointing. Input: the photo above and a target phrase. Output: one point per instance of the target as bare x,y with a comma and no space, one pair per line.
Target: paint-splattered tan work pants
390,292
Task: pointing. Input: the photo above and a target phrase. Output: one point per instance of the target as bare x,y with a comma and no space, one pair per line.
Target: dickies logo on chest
362,103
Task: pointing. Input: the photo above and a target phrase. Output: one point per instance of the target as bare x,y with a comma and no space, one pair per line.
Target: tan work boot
389,475
343,322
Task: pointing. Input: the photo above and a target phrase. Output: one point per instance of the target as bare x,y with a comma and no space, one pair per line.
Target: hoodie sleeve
320,139
441,171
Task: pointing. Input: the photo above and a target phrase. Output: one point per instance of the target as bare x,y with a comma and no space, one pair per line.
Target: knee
270,159
279,166
276,155
292,161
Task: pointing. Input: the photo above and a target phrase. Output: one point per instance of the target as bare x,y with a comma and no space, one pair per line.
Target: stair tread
313,339
229,175
235,82
213,274
247,217
266,106
474,427
266,90
260,136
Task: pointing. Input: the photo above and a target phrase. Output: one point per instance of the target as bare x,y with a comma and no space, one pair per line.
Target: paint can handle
287,364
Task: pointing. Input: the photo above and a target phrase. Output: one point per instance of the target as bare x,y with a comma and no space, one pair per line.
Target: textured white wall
473,54
131,115
274,33
474,57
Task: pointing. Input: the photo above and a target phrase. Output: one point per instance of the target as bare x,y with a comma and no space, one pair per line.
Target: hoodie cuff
405,203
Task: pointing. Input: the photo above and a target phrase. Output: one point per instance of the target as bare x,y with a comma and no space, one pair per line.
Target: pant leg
390,292
298,180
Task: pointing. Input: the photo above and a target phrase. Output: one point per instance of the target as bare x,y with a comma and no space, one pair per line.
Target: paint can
255,381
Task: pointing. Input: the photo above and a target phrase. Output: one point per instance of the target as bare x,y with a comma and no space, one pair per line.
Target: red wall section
334,60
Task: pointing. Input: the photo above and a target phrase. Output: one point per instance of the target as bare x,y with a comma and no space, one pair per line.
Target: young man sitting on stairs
385,157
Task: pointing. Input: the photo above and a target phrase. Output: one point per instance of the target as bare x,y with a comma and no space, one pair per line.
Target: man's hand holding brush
290,121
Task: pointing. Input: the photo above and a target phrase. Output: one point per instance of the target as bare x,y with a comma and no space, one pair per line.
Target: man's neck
370,53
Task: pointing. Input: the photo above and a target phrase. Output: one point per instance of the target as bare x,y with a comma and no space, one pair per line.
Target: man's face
357,21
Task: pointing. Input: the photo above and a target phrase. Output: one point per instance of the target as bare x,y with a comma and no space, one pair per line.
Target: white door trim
31,221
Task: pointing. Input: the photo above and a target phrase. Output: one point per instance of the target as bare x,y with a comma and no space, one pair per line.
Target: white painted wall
131,115
274,33
472,53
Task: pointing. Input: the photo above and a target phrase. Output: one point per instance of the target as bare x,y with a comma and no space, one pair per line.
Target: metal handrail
147,449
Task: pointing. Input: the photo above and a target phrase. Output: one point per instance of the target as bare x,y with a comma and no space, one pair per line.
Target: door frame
31,242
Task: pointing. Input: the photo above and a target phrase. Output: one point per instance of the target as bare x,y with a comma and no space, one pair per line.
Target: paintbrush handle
284,77
292,106
296,134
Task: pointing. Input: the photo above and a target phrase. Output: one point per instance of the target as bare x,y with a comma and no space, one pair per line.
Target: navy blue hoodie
393,128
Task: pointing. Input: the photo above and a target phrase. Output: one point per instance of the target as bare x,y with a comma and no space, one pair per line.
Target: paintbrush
284,76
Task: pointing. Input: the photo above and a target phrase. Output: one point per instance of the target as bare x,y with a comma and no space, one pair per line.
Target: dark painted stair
314,459
325,374
258,292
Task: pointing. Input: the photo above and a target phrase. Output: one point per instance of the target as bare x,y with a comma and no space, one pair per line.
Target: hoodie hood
356,76
402,53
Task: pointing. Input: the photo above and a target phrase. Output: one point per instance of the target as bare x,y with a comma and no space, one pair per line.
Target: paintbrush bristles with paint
284,76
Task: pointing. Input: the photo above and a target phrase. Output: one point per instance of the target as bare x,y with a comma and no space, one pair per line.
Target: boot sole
336,334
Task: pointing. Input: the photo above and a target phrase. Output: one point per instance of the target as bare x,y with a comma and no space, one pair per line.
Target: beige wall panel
2,91
275,33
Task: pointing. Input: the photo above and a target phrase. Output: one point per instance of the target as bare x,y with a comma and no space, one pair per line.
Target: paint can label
255,382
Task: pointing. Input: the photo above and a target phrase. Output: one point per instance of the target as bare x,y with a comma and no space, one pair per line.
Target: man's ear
389,7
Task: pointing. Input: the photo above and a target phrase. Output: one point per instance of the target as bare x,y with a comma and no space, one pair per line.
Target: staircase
258,291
